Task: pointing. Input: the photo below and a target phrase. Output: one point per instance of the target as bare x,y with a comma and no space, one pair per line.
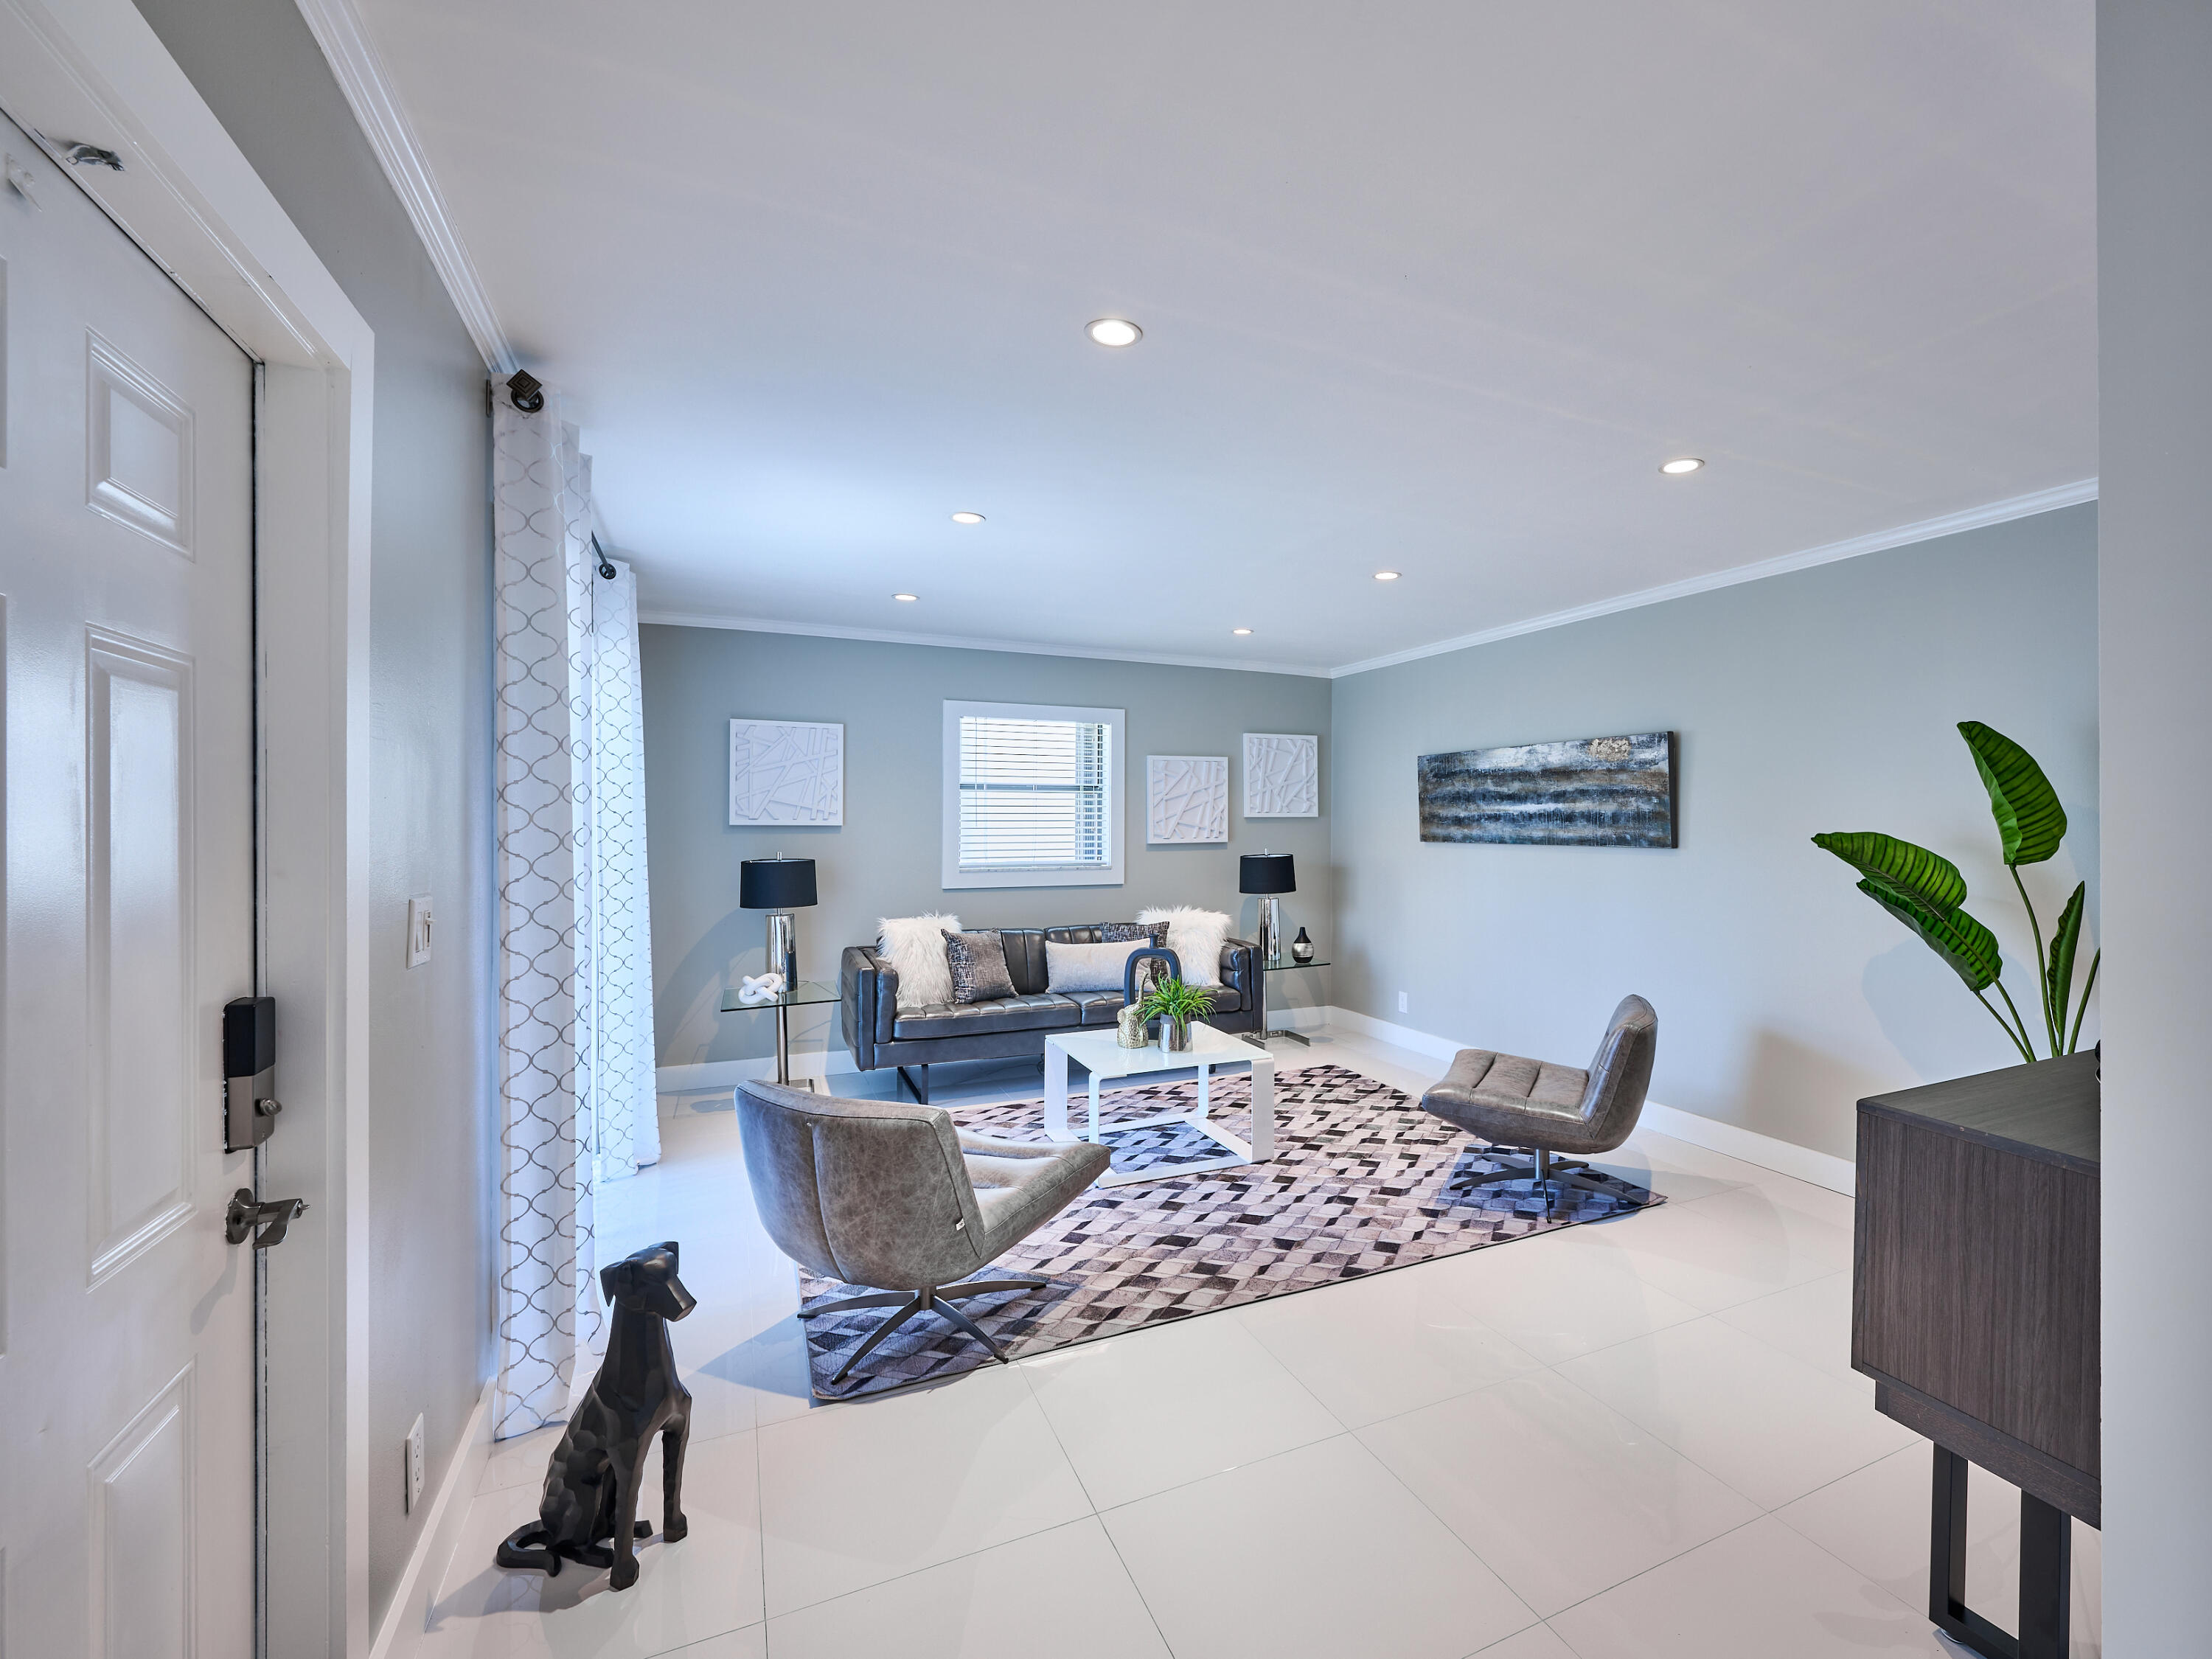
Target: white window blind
1035,793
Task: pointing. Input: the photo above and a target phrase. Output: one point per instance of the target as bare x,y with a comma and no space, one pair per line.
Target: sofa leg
921,1089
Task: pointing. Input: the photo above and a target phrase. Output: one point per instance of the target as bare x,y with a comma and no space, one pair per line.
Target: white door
126,1335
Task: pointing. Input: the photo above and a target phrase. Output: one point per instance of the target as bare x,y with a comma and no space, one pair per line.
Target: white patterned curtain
630,1125
570,867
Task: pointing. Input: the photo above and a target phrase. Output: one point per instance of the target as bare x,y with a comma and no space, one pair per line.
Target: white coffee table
1099,1054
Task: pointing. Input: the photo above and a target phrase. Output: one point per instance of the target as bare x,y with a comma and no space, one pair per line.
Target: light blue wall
1822,700
885,861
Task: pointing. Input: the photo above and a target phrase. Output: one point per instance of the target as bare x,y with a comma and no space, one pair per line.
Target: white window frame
1117,770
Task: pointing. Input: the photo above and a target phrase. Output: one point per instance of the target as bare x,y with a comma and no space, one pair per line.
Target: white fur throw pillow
915,945
1195,937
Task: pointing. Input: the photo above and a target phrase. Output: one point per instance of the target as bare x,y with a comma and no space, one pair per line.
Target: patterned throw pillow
1154,933
978,962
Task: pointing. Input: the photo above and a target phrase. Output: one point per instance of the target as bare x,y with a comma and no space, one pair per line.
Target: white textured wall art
786,772
1186,798
1282,775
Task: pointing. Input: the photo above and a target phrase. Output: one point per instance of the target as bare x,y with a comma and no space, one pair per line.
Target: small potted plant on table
1175,1005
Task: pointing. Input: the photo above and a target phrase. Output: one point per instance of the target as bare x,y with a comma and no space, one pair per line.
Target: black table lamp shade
775,884
1266,872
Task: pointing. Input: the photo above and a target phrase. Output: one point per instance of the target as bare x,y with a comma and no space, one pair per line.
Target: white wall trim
416,1592
1837,1175
1879,541
963,643
1784,1156
1950,524
720,1075
345,41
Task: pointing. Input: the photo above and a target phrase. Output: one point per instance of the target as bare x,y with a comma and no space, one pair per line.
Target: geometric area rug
1363,1181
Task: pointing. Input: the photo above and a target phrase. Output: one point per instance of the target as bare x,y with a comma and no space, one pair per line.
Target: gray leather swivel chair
882,1193
1534,1105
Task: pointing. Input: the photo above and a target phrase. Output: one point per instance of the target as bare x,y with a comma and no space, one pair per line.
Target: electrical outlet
1402,1002
418,931
414,1463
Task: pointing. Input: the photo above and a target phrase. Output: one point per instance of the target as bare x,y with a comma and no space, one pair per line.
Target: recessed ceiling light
904,599
967,518
1115,332
1240,631
1386,576
1681,465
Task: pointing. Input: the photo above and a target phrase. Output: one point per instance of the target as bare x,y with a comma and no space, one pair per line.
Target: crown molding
1950,524
961,643
338,29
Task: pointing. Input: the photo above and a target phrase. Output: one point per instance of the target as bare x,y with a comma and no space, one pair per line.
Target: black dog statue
589,1513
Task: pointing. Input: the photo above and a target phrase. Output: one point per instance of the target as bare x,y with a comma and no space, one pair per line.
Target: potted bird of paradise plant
1175,1005
1926,893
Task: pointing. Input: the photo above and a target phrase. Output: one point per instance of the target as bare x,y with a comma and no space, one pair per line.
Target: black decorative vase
1302,947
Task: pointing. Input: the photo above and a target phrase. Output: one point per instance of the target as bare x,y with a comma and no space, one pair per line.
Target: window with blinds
1032,798
1032,793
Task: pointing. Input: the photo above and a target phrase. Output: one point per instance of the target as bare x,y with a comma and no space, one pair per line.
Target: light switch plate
414,1463
418,931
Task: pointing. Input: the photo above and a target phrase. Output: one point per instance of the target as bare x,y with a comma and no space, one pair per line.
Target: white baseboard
713,1075
1399,1036
1837,1175
409,1616
1784,1156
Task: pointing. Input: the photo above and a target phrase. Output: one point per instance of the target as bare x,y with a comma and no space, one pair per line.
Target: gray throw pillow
978,962
1154,933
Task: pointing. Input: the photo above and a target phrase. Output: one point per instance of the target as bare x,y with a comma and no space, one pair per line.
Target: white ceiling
1432,287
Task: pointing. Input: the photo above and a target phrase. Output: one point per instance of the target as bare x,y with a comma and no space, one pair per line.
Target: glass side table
806,995
1281,962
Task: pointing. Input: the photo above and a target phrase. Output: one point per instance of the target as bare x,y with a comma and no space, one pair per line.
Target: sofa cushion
1040,1011
1099,1007
1024,949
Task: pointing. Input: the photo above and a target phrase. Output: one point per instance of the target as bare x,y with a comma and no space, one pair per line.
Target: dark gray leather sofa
1008,1027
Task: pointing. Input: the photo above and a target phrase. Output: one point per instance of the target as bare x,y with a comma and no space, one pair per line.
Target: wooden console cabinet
1974,1308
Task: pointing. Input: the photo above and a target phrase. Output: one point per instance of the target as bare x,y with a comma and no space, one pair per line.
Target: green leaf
2028,814
2058,982
1970,948
1928,876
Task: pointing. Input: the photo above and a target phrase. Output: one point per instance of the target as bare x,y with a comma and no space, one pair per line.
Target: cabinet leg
2046,1572
2046,1579
1947,1540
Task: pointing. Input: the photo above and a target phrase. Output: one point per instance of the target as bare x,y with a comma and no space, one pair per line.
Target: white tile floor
1636,1441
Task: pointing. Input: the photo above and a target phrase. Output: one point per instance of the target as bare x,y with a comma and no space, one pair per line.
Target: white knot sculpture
759,987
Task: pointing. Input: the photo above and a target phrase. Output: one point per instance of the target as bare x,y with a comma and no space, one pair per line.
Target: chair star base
1545,1170
935,1299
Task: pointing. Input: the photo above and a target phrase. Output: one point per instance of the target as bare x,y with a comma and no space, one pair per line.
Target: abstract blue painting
1588,792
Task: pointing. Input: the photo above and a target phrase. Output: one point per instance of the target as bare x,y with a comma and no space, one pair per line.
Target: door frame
94,71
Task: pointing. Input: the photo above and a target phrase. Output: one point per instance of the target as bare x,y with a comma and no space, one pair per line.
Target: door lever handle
246,1214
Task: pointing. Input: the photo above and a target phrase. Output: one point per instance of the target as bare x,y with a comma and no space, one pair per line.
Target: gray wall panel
884,861
2154,321
1822,700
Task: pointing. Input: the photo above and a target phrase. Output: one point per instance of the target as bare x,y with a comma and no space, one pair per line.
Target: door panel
126,1332
140,900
